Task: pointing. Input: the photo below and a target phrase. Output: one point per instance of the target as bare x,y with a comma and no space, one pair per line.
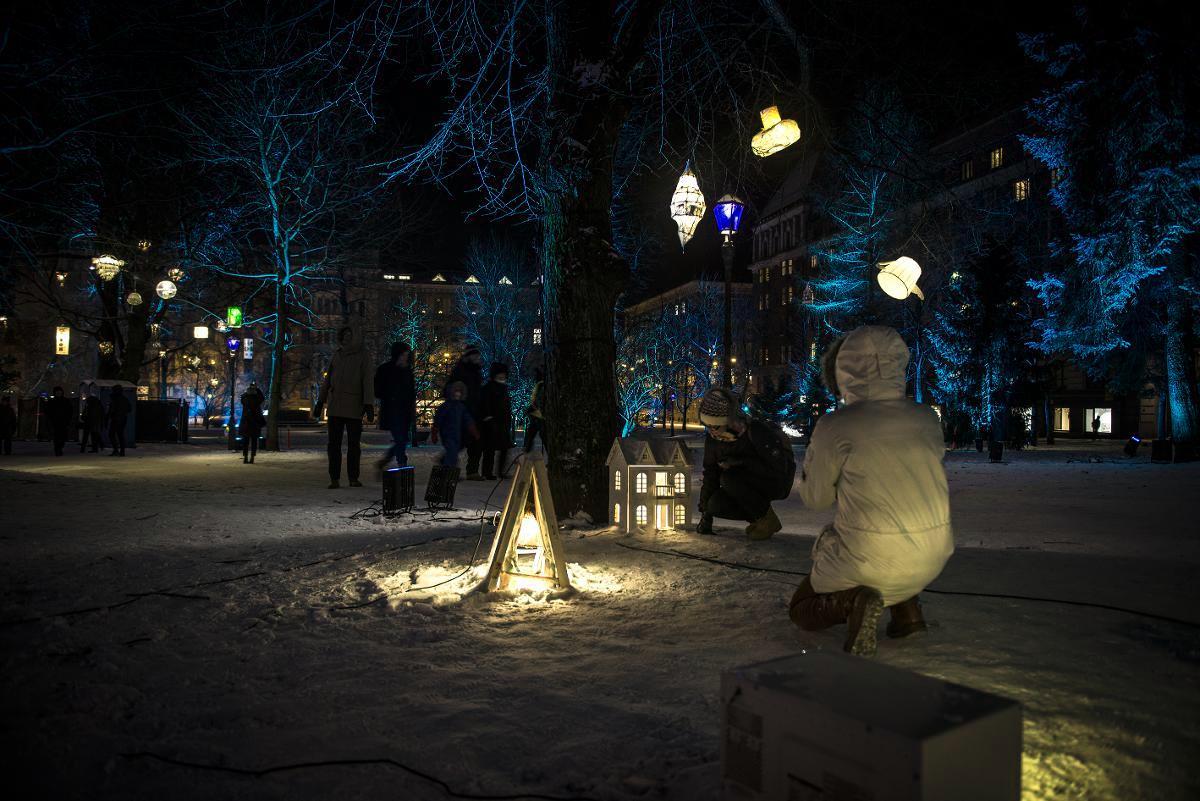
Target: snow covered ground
179,607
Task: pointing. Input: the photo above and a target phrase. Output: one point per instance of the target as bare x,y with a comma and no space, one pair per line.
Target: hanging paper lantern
62,341
776,134
143,245
106,348
899,278
166,289
200,332
134,299
107,267
175,274
687,205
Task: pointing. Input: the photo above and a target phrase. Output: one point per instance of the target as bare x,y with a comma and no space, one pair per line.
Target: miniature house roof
669,451
640,451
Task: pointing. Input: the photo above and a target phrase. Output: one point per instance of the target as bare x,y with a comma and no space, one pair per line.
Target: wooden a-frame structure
529,494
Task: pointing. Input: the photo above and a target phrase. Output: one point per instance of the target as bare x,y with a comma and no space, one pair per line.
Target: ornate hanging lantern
107,267
776,134
62,341
166,289
106,348
134,298
899,278
143,245
175,274
687,205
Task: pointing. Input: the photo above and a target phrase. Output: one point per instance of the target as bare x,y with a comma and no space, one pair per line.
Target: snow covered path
239,618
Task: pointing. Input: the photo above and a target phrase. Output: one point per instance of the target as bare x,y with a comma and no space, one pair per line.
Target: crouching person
879,458
747,464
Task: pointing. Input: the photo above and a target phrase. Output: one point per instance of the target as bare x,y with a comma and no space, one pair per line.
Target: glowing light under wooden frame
527,553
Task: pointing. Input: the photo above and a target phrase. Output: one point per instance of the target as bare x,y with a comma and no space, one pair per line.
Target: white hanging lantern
134,299
687,205
776,134
166,289
899,278
107,267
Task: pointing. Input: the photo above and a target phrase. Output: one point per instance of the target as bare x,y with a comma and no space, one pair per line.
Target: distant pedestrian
8,425
349,392
469,370
535,415
58,415
118,416
91,420
453,424
252,422
1096,427
497,422
396,388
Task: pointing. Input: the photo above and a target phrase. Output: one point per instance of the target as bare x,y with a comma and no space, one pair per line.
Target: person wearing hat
747,464
879,458
497,422
469,370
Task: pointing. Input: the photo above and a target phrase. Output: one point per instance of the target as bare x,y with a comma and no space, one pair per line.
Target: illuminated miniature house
527,553
649,485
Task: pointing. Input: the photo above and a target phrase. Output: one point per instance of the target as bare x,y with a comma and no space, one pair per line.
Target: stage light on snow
687,205
899,278
776,134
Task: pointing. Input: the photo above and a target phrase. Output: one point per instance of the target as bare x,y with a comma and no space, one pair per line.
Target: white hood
871,365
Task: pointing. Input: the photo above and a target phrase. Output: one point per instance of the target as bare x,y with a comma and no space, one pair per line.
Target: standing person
91,420
747,464
535,420
350,395
496,408
469,370
396,388
453,424
252,422
879,458
1096,427
58,415
8,425
118,416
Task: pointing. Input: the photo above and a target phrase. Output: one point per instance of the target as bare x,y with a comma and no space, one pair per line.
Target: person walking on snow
452,423
91,420
879,458
396,388
252,422
8,425
747,464
469,370
118,416
58,415
350,394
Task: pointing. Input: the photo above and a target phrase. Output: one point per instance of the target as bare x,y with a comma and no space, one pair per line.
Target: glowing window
441,279
1062,419
996,158
680,514
1021,189
968,170
680,483
641,516
537,336
616,479
617,513
640,483
812,262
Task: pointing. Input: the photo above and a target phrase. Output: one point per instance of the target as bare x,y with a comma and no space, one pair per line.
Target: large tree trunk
1179,350
277,357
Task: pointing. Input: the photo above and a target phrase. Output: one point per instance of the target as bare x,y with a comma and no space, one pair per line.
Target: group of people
59,415
878,458
474,415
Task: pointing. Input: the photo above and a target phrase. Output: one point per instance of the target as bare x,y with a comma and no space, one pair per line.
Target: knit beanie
718,407
470,352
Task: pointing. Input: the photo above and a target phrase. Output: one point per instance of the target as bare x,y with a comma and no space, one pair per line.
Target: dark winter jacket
58,413
496,409
91,416
472,377
118,408
396,389
761,452
8,422
453,424
252,420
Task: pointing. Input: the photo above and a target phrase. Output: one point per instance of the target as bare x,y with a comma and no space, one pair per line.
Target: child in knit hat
453,424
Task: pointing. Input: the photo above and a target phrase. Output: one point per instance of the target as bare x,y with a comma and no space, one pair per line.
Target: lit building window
766,274
439,278
680,515
617,513
471,280
812,262
641,516
968,170
812,352
537,336
1021,189
996,158
640,483
617,479
789,294
680,483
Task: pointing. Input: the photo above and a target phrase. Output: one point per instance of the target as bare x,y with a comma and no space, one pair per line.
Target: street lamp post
728,213
233,343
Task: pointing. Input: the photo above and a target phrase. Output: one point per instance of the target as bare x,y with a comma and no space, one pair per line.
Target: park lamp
687,205
728,214
776,133
898,279
233,343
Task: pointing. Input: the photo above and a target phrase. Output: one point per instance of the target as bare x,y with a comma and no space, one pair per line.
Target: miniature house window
680,483
640,483
660,479
640,516
680,514
662,516
617,479
617,513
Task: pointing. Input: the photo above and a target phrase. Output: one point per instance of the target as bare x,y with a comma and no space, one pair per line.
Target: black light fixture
398,486
442,483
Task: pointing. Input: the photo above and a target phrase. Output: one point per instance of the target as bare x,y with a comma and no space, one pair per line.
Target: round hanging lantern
899,278
144,245
106,348
175,274
166,290
776,134
687,205
107,267
134,299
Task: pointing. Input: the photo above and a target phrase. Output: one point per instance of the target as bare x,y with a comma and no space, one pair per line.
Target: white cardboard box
826,726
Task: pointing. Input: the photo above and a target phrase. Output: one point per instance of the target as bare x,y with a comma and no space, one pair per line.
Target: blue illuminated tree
1115,124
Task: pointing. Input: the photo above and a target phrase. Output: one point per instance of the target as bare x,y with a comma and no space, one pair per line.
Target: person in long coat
879,458
396,388
350,393
58,415
469,370
91,420
251,424
118,415
496,408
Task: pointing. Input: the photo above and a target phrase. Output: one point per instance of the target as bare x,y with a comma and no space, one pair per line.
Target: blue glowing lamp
728,212
233,343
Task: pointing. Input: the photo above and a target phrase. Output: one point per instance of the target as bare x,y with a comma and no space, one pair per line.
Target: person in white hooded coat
879,458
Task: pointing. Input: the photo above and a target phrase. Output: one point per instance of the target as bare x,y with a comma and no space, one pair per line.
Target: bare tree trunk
1179,350
277,357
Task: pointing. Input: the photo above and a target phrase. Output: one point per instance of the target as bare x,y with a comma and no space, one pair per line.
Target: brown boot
859,608
765,526
906,619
